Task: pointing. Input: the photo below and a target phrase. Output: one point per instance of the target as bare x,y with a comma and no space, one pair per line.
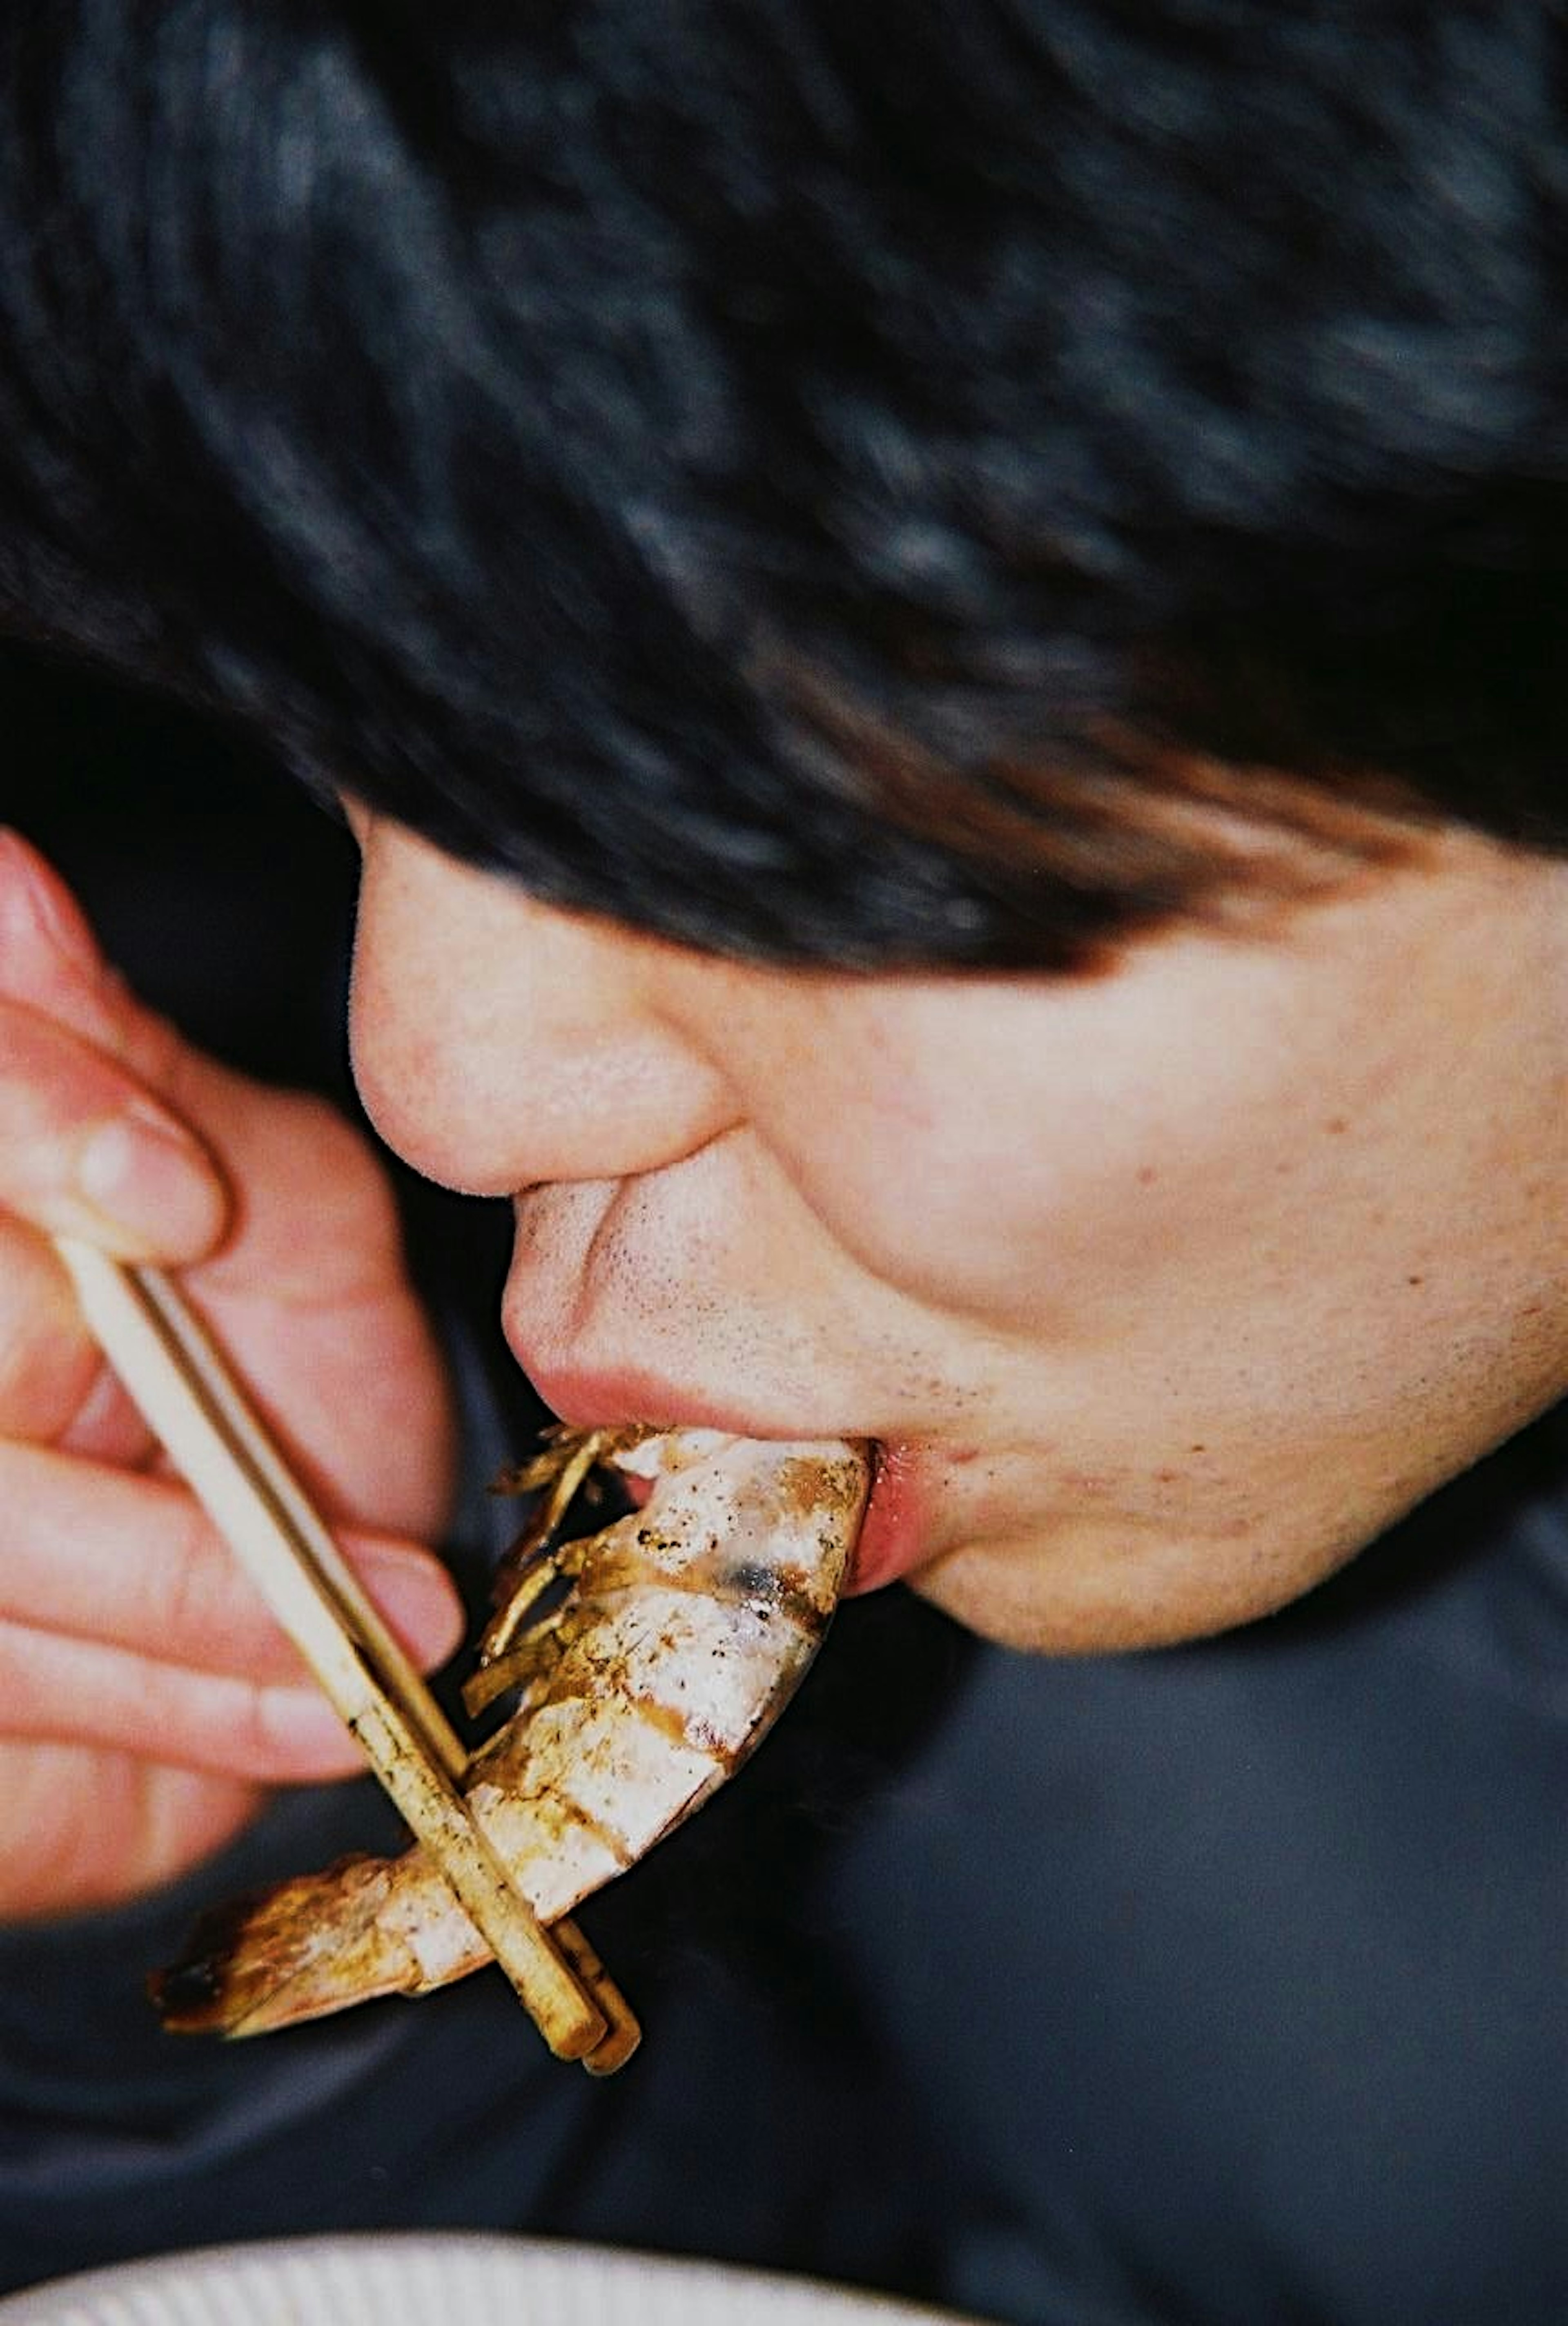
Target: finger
74,1691
270,1139
55,1386
103,1826
49,957
85,1150
51,965
118,1559
150,1190
47,1363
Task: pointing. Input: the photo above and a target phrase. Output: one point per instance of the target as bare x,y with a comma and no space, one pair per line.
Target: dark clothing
1222,1986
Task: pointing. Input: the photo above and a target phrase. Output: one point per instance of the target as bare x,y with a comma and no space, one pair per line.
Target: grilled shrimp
688,1626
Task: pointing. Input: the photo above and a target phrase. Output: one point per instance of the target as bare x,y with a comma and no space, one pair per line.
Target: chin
1031,1598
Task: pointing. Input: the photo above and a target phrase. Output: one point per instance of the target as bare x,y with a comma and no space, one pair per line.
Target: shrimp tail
360,1927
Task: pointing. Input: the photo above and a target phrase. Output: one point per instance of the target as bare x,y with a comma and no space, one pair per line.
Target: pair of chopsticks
191,1400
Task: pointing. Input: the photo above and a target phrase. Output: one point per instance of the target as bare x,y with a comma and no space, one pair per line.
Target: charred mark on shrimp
685,1626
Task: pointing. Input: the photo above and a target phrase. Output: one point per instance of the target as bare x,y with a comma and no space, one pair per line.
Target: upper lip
574,1332
589,1395
609,1397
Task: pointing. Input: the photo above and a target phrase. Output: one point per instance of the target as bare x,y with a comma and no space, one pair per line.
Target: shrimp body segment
692,1621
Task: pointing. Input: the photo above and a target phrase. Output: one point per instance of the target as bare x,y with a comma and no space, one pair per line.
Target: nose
500,1042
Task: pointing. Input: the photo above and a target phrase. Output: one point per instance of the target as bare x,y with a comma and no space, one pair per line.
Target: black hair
820,478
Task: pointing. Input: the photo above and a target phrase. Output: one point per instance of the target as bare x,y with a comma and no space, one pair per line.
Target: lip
625,1395
894,1531
545,1335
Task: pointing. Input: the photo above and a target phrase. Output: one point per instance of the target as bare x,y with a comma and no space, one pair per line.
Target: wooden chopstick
174,1374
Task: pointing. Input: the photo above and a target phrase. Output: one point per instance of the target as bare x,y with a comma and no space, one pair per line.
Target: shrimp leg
691,1623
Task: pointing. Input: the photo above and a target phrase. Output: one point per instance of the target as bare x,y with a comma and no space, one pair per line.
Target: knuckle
181,1588
50,1079
25,1692
105,1425
48,1365
201,1606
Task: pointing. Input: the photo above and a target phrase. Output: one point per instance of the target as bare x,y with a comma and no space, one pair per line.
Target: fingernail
418,1600
140,1173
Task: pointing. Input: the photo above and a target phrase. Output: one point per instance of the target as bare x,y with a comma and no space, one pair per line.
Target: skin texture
1164,1288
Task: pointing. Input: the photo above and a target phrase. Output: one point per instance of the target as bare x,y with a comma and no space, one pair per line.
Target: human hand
147,1702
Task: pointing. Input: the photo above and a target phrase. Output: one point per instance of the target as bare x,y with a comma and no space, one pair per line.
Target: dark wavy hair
826,480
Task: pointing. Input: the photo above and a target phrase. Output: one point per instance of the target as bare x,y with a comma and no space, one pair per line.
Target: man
936,639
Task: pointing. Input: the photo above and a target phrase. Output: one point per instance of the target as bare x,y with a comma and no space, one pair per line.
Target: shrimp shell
691,1623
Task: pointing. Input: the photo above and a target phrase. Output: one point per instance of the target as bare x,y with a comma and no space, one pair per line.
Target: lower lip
894,1531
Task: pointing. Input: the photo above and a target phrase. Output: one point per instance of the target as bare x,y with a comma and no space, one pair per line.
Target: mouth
628,1396
895,1530
895,1534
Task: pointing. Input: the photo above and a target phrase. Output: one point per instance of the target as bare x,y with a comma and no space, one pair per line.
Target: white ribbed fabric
428,2281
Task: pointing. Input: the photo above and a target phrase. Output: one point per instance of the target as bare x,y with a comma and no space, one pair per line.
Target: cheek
1015,1154
1025,1209
939,1218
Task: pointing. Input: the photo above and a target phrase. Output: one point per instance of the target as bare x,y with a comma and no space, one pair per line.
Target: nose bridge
500,1042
